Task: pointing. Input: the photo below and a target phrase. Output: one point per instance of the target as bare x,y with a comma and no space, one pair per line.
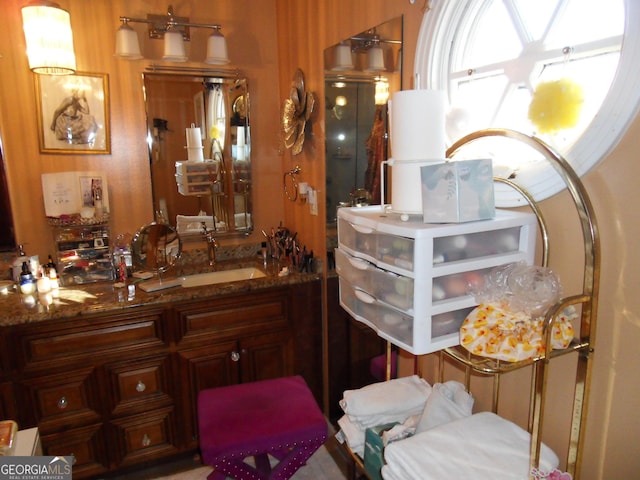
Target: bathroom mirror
359,73
156,247
218,189
7,237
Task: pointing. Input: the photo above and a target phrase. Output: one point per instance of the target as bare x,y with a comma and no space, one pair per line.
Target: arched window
578,61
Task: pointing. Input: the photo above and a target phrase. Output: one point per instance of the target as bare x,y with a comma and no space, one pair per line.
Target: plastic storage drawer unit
409,280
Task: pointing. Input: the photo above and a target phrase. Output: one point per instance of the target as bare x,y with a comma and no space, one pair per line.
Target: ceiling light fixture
49,38
174,31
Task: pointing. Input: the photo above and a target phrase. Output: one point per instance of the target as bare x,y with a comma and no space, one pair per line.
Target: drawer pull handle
235,356
364,297
146,440
140,386
63,403
361,229
359,263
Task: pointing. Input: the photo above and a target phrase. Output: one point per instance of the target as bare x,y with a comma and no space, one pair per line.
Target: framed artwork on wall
73,113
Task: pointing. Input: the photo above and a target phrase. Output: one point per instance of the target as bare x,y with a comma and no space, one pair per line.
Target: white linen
385,402
352,434
483,446
448,401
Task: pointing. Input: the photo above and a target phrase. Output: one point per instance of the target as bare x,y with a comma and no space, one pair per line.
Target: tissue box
374,450
457,191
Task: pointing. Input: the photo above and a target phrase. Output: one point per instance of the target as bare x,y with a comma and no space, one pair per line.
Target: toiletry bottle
27,282
16,267
122,270
44,282
263,249
53,279
50,264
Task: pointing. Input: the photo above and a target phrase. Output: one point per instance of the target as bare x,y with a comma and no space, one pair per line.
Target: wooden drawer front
140,385
69,341
85,444
63,400
144,437
236,314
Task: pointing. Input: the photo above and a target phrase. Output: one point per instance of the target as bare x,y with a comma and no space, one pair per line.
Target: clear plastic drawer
453,248
391,288
392,250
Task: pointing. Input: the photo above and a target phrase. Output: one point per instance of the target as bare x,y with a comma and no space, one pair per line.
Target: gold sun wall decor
296,111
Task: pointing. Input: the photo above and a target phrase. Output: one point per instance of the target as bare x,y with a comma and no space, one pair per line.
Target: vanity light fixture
343,59
49,38
174,31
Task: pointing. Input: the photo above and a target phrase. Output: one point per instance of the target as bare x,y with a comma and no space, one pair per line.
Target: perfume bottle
27,281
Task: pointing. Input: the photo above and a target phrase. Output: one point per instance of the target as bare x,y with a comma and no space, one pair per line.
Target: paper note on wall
65,193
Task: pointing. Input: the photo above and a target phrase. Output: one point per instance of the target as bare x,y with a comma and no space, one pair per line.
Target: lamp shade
174,47
375,59
217,49
343,59
127,45
47,31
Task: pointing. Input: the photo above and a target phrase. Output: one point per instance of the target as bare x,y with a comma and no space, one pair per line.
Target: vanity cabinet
80,382
119,388
232,340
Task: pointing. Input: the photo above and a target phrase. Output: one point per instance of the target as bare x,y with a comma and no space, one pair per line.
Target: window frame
618,110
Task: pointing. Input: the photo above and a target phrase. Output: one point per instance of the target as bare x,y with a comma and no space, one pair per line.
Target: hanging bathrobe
376,154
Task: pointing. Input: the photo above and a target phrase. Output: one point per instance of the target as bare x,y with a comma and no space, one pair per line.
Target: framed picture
73,113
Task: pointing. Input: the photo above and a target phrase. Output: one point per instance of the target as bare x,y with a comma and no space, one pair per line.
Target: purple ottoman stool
276,417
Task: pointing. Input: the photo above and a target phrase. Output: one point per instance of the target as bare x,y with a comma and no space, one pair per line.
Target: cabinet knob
63,403
140,386
146,440
235,356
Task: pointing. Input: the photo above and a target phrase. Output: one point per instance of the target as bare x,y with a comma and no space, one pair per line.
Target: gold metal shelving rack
583,344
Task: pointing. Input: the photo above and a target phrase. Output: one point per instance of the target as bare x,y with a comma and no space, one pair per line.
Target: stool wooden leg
262,463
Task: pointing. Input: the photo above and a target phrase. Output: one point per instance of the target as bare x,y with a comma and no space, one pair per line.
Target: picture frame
73,113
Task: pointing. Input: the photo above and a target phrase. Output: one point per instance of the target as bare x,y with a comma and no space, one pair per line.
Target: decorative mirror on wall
360,73
200,152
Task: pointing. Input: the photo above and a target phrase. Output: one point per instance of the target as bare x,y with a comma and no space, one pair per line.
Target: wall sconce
49,38
343,59
174,31
375,59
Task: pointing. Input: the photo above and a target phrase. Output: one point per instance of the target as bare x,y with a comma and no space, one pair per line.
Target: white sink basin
223,276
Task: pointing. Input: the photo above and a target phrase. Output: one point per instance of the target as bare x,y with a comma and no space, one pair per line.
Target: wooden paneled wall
250,28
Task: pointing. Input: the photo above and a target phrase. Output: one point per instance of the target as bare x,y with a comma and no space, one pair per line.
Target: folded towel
352,434
448,401
385,402
483,446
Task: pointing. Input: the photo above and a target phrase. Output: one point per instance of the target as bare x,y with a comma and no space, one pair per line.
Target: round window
565,71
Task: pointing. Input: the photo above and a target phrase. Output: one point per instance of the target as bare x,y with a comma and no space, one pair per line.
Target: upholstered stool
276,417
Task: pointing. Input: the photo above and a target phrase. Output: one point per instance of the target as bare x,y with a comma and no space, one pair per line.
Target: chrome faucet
212,244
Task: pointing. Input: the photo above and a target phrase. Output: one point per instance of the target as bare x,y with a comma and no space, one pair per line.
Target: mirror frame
230,195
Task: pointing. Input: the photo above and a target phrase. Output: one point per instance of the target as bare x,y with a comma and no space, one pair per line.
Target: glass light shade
127,45
375,59
217,49
343,59
47,31
174,47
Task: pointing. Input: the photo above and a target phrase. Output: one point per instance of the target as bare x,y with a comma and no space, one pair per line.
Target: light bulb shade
217,49
375,59
127,45
47,31
343,59
174,47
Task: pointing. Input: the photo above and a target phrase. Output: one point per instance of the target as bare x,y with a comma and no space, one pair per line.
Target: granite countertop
73,301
